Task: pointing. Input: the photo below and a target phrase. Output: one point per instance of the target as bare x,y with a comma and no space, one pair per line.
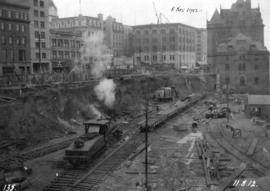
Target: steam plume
105,91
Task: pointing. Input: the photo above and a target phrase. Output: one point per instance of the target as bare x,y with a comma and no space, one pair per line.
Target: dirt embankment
45,114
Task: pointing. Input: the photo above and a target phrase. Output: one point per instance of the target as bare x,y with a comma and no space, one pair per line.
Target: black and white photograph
134,95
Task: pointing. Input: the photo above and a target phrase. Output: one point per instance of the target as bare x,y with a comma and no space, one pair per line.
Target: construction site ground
174,162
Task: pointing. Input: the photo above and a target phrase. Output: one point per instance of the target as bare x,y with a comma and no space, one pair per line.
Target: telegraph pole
146,144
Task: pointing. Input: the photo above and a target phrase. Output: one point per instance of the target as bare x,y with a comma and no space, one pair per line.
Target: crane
157,15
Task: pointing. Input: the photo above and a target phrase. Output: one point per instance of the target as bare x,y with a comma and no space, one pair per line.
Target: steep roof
216,18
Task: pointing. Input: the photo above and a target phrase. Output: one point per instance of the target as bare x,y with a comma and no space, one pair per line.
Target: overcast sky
136,12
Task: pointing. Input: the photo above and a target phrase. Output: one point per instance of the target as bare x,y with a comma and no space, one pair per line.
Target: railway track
223,142
71,181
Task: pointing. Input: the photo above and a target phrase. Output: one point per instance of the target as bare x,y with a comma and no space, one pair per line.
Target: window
35,2
242,67
12,55
66,43
23,40
2,26
17,28
54,55
22,28
146,32
21,55
42,35
9,26
18,40
37,55
154,48
37,44
163,31
42,24
164,48
1,12
36,13
10,40
154,31
9,14
36,34
242,81
66,54
43,45
43,55
42,14
164,57
60,53
16,15
41,3
154,57
256,80
36,24
171,57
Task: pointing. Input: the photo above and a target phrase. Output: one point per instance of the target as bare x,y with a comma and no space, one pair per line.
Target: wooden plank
234,176
252,147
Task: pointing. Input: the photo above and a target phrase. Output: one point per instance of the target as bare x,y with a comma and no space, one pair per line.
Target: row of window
12,27
40,34
164,39
164,31
72,23
65,54
66,43
241,67
14,14
43,55
242,80
171,47
41,3
154,58
8,55
40,24
39,13
13,40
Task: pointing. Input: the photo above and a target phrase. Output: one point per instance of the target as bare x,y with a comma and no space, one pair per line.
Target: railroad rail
224,143
98,172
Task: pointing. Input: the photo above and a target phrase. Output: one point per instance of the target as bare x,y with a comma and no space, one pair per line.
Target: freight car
159,119
83,149
164,94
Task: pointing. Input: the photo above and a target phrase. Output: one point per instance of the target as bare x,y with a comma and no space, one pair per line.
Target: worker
86,129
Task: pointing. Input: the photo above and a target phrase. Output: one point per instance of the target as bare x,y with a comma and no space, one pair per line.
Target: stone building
165,44
201,46
39,35
65,50
243,65
115,35
15,39
227,23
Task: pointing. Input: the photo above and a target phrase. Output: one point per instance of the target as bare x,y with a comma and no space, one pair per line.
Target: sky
137,12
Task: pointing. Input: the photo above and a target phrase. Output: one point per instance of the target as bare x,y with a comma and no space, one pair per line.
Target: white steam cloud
105,91
97,54
95,111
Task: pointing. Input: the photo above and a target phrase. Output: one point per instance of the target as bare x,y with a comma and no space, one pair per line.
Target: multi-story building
15,39
201,46
53,11
166,44
227,23
114,32
39,35
65,49
243,65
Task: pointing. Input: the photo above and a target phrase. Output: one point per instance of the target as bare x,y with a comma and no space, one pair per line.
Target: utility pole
146,144
227,100
39,48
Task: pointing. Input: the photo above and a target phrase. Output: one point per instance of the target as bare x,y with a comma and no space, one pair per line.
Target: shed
258,105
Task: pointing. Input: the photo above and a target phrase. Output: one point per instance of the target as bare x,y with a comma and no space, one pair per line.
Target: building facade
39,35
227,23
65,50
115,35
166,44
243,65
15,39
201,46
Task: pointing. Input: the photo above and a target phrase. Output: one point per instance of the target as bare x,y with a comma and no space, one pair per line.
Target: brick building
227,23
39,35
165,44
65,49
15,39
243,64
